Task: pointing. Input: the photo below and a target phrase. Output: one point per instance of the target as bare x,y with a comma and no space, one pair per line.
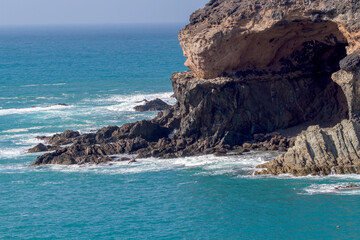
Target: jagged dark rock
42,148
257,68
38,148
154,105
64,138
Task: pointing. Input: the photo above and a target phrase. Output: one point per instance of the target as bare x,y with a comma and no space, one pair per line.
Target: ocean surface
101,73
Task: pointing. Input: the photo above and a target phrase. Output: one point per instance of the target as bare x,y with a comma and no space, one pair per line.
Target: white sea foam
331,189
54,84
30,85
45,84
16,168
204,165
9,153
8,98
47,98
19,130
21,142
165,96
121,103
30,110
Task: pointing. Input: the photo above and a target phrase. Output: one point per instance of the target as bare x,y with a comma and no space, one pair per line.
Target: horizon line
91,24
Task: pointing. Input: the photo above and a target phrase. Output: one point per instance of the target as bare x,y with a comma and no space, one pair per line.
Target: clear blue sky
49,12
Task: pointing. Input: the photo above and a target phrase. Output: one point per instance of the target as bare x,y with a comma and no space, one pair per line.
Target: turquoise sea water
101,73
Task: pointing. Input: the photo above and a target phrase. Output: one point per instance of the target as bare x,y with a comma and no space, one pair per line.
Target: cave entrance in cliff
307,53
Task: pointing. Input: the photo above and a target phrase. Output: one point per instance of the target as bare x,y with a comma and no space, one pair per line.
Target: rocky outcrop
233,109
231,35
64,138
154,105
42,148
257,67
319,151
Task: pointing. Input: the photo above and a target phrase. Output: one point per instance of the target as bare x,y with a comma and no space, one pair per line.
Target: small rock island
264,75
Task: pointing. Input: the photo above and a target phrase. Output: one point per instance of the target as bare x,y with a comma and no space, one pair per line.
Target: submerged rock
348,187
154,105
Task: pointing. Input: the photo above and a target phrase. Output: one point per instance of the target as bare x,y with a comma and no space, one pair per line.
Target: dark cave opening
319,61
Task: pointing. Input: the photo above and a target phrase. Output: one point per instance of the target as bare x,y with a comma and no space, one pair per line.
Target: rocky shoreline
70,147
256,68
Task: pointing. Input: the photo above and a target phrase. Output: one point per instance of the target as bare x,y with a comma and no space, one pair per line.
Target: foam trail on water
331,189
47,98
45,84
10,153
14,168
19,130
10,111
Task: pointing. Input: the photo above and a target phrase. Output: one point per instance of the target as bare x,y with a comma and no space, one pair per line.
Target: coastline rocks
98,148
41,148
257,67
38,148
154,105
269,142
320,151
64,138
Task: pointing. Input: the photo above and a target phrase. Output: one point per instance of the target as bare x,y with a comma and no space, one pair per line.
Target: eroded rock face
231,35
245,105
335,150
319,151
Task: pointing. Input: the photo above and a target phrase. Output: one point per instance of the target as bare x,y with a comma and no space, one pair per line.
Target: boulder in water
154,105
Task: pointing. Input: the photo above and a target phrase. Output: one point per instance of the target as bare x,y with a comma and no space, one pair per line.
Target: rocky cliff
255,67
232,35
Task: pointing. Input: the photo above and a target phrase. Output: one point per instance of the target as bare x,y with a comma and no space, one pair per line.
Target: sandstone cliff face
232,35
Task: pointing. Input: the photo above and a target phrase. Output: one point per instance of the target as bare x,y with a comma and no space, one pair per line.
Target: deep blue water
101,73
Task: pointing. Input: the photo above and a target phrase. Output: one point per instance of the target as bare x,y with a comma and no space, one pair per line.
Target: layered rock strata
335,150
256,67
321,151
